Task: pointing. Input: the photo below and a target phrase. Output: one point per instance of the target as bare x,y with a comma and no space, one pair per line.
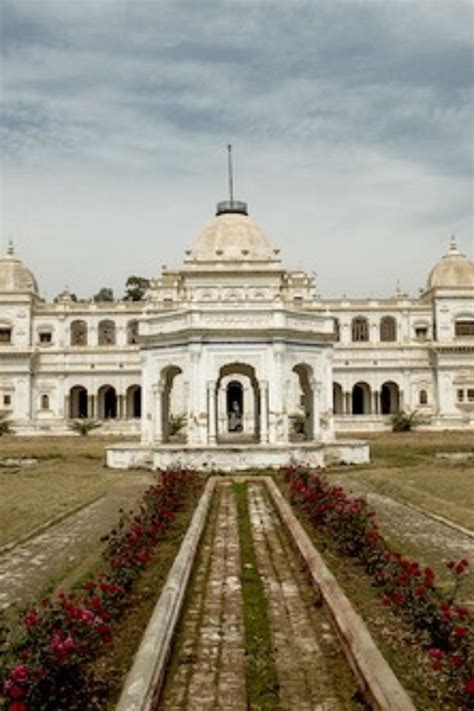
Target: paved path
207,670
425,535
49,557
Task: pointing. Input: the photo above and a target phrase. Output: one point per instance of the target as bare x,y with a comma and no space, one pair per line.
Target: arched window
45,402
132,332
388,329
106,333
464,327
78,333
423,397
360,329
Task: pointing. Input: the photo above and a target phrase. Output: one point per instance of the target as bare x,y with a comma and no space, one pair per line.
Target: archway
107,399
235,406
173,419
234,403
304,419
389,398
134,401
78,402
361,399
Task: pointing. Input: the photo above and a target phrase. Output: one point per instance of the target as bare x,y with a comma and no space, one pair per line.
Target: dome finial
453,247
231,205
10,248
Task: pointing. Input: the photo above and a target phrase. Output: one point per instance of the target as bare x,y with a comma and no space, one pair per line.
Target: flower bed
445,628
65,632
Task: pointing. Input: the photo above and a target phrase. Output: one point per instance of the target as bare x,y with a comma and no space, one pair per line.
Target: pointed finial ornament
453,247
230,172
10,249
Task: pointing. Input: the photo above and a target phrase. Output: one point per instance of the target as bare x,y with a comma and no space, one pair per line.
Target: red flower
435,653
469,687
456,661
16,692
460,631
18,706
20,673
30,619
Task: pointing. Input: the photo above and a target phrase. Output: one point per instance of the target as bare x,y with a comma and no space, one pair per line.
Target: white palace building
234,353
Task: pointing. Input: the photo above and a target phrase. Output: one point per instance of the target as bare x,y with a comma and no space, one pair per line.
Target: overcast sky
351,124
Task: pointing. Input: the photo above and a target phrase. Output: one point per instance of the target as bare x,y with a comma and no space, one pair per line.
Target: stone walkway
74,542
207,670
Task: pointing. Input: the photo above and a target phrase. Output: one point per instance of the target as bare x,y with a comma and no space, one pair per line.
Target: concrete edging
433,516
379,683
143,682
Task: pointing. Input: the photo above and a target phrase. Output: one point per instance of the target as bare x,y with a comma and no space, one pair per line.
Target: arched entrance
361,399
389,398
134,402
78,402
173,420
107,400
235,406
305,421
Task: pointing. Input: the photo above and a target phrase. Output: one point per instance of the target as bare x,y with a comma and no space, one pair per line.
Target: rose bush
67,630
446,628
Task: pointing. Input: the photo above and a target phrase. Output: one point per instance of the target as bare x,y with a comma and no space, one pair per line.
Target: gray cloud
350,118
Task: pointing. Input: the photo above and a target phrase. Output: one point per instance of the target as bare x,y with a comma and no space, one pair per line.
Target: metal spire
231,205
230,172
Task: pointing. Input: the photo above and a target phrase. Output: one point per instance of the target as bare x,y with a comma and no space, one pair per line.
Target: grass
69,474
404,466
260,671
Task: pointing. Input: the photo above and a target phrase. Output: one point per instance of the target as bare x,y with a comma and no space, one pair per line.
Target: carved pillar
222,411
211,412
158,389
67,413
347,404
91,406
316,409
263,392
121,408
375,402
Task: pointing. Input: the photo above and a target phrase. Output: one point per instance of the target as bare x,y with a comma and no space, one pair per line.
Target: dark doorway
235,406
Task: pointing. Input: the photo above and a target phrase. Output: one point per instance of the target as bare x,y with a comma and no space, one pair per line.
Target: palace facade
234,345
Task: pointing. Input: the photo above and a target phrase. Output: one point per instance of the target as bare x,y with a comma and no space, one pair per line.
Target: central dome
232,237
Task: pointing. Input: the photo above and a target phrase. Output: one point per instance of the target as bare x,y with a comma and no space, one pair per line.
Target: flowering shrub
61,633
409,588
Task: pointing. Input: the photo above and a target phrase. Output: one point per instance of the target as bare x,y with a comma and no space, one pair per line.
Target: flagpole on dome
230,206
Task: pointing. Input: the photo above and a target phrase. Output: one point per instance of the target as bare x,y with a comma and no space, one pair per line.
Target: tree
104,294
84,425
136,287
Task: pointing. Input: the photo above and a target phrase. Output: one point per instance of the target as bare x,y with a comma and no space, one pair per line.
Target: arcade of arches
237,403
363,400
105,404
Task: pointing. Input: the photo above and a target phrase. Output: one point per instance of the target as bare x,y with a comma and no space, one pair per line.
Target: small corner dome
453,270
14,276
232,236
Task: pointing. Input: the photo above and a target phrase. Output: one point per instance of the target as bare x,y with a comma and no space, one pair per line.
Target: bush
405,421
60,635
176,424
5,425
84,425
409,588
298,424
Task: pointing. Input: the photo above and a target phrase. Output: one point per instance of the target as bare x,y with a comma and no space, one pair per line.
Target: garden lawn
404,466
69,474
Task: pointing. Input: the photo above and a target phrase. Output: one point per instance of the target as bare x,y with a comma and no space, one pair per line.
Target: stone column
90,406
121,409
158,389
375,402
67,412
316,409
347,404
401,400
211,412
222,411
263,393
